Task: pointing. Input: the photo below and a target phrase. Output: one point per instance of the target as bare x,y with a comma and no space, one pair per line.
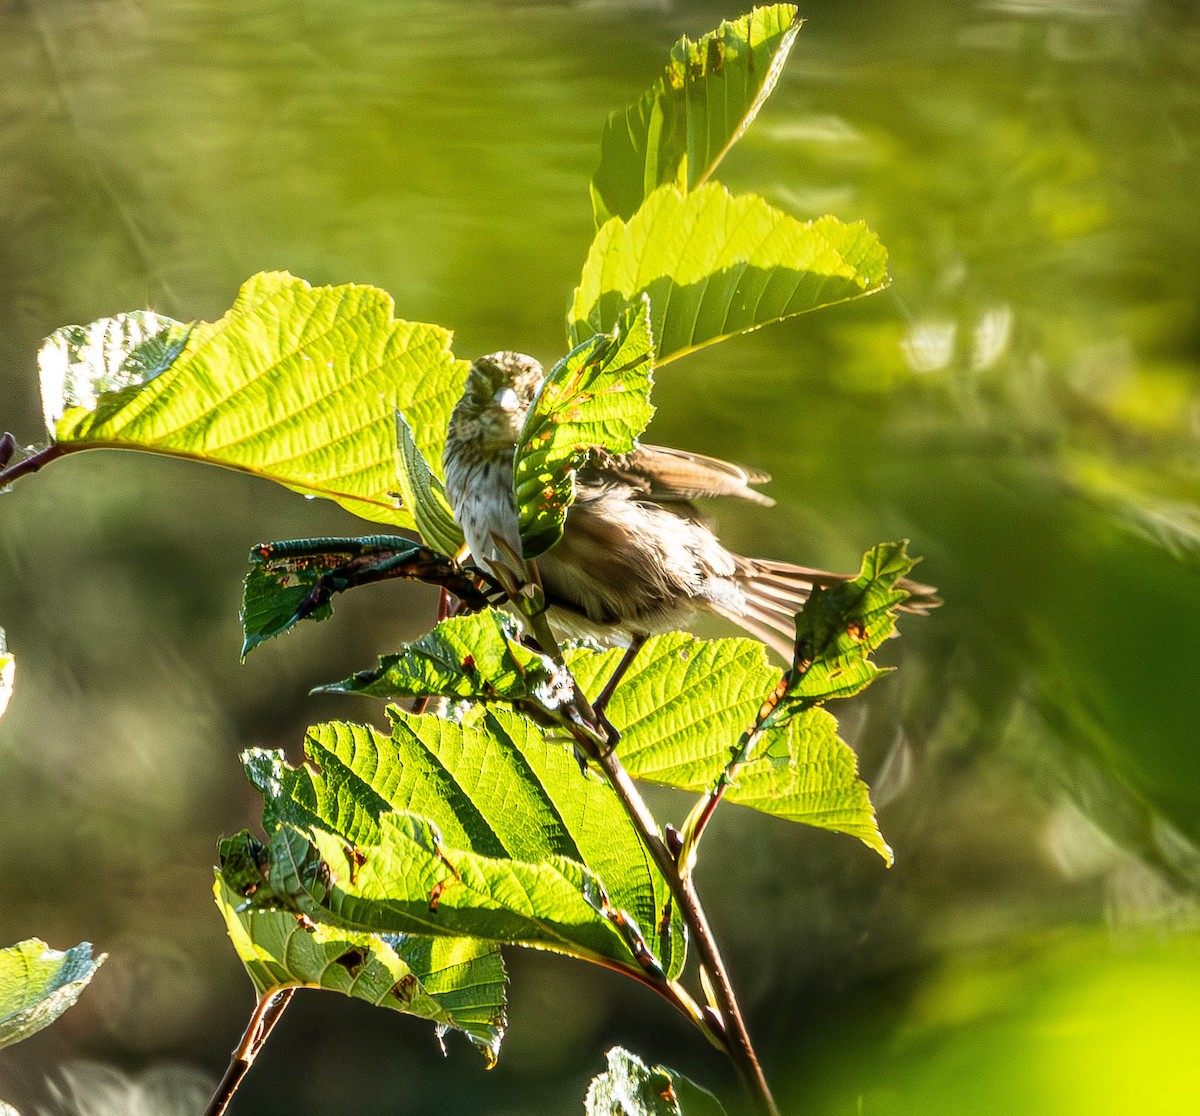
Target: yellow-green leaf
37,984
597,395
715,265
704,100
453,982
296,384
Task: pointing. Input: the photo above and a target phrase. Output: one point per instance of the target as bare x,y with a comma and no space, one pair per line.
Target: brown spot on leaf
357,859
405,988
856,630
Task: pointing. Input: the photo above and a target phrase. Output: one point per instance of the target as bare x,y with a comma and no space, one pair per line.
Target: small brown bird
634,558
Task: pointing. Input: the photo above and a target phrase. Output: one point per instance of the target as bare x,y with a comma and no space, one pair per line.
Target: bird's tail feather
773,592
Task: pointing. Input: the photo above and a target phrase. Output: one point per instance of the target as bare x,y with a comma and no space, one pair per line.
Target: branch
593,730
262,1020
737,1044
30,464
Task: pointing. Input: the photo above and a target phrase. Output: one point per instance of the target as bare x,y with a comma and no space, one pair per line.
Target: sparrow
635,558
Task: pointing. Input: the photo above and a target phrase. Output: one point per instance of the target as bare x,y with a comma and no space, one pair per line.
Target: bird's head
499,391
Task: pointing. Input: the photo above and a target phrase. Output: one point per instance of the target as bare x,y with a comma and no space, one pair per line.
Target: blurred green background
1023,403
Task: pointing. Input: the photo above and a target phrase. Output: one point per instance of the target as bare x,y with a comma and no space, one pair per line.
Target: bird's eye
506,399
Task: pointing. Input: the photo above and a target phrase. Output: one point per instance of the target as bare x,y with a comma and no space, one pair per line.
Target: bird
635,558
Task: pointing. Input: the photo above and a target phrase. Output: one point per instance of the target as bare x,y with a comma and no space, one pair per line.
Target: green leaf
79,364
684,709
682,704
715,265
296,384
700,106
597,395
631,1088
486,830
453,982
841,625
476,657
37,984
804,772
424,494
8,670
293,581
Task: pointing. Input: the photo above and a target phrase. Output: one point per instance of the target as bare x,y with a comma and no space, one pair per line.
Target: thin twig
32,463
702,813
262,1020
739,1046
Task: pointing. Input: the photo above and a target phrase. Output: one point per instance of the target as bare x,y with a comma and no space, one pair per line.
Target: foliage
631,1088
393,865
296,384
597,395
685,123
484,829
714,265
293,581
456,983
479,658
37,984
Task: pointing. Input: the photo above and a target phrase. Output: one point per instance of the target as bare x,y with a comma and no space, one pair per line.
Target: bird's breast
481,493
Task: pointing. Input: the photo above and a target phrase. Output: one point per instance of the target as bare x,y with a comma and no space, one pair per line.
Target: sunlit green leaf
454,982
684,709
293,581
629,1087
840,625
512,843
683,125
37,984
77,365
804,772
715,265
8,670
296,384
597,395
477,657
423,494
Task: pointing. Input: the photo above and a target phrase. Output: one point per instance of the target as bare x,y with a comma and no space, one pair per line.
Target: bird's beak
506,399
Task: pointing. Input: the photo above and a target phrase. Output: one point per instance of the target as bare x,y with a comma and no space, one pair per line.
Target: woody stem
736,1038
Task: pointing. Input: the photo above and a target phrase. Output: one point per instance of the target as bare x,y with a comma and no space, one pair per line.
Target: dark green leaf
597,395
37,984
473,657
704,100
293,581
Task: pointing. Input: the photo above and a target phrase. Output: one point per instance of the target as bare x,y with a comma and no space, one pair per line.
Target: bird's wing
671,474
